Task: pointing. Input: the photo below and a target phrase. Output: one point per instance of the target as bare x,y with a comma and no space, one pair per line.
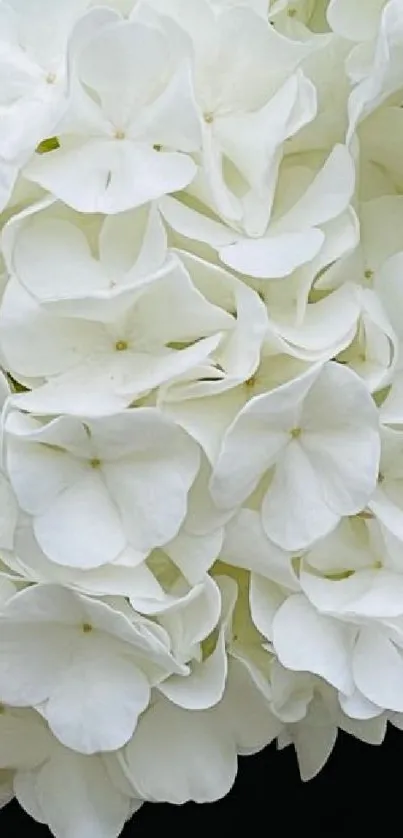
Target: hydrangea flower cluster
201,338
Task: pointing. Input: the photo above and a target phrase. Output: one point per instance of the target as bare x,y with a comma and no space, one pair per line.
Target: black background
360,791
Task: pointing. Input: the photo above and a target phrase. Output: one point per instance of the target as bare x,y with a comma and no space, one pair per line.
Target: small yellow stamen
291,12
121,346
296,433
87,628
51,78
208,118
95,463
250,381
119,134
368,273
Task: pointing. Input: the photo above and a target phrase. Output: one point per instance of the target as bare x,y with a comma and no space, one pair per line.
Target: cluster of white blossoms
201,339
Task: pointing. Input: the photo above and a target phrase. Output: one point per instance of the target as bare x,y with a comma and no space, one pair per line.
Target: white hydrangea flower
325,463
352,637
129,251
128,576
382,78
314,736
77,640
240,723
205,744
108,475
287,347
112,139
99,364
247,94
43,770
274,248
38,41
201,393
146,580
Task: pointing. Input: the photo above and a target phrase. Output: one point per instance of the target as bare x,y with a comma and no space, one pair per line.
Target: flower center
121,346
95,463
295,433
87,628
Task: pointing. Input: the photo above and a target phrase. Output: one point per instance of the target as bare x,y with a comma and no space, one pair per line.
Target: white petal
25,792
192,618
89,713
255,440
387,512
194,555
264,130
204,686
356,706
100,810
265,599
32,659
8,514
330,323
173,120
307,641
44,604
341,438
97,536
313,746
195,225
378,669
133,242
38,474
46,345
328,195
205,756
46,242
372,731
275,256
294,512
375,594
246,545
252,723
354,21
388,288
112,62
150,491
111,176
25,740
